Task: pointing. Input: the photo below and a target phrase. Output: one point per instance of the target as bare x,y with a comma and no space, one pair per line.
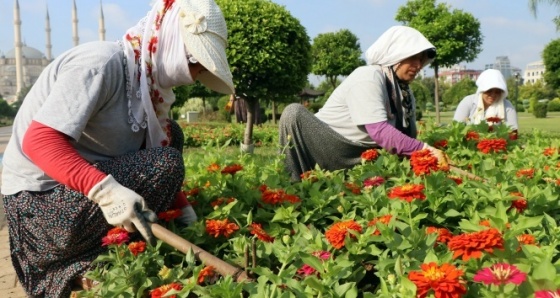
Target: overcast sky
508,26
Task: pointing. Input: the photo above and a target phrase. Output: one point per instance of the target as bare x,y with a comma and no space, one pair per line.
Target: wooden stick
208,259
465,173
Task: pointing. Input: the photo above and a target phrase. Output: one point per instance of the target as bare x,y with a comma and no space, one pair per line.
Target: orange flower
385,219
214,167
220,201
423,162
370,154
170,214
279,196
192,193
137,247
353,187
472,135
520,203
445,281
471,245
440,144
492,145
206,272
529,173
496,120
407,192
444,235
457,179
232,169
309,175
216,227
161,291
336,234
257,230
525,239
551,151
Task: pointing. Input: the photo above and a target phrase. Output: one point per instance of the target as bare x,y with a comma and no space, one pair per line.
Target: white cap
204,32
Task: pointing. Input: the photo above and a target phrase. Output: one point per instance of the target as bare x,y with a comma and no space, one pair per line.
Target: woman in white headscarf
489,101
372,108
92,146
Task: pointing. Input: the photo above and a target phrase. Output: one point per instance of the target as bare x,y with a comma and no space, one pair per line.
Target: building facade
534,72
456,73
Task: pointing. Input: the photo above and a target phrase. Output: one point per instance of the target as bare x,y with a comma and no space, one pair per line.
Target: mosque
21,66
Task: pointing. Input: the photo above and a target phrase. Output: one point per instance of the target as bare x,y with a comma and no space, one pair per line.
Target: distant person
93,146
489,101
372,108
240,110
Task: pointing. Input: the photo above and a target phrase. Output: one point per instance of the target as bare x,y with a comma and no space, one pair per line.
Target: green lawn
527,122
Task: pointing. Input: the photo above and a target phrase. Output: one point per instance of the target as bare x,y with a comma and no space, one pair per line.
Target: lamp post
516,75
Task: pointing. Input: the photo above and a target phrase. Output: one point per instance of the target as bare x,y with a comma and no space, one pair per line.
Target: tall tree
458,91
455,34
268,50
533,4
335,54
551,61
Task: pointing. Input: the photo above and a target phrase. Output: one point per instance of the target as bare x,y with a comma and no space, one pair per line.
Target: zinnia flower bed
389,227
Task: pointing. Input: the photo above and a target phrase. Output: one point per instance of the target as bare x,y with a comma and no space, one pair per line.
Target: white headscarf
489,79
392,47
156,62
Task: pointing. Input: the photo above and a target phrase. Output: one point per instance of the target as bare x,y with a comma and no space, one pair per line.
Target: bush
554,105
539,110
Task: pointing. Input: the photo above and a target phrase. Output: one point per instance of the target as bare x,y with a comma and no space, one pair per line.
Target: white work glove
188,216
443,159
122,206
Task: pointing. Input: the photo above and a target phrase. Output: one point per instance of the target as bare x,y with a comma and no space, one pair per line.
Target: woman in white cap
489,101
372,108
92,146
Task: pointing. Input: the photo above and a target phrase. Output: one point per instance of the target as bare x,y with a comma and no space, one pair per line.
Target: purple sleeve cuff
391,139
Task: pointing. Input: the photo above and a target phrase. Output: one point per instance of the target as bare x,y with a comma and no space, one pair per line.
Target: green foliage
421,93
183,93
537,90
6,110
554,105
551,61
268,49
458,91
540,109
336,54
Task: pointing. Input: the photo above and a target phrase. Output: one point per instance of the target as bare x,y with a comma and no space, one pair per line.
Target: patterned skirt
56,234
308,141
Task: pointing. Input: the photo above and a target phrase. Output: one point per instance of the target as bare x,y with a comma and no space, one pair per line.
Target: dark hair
430,53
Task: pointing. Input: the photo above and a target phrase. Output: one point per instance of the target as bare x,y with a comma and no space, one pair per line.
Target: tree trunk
274,112
247,145
203,106
436,93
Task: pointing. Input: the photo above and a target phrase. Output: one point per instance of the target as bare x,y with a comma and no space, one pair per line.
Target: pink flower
499,274
373,181
547,294
116,236
307,270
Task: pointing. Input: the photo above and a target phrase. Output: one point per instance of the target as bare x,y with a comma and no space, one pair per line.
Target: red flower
161,291
444,235
407,192
353,187
471,245
206,272
370,154
520,204
423,162
137,247
257,230
496,120
220,201
170,215
385,219
457,179
279,196
232,169
216,227
445,281
309,175
551,151
440,144
472,135
373,182
529,173
500,274
214,167
115,236
547,294
336,234
492,145
307,270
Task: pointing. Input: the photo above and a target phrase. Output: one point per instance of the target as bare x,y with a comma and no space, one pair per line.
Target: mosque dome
27,52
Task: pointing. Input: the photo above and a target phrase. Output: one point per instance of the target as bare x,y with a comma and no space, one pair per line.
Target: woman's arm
391,139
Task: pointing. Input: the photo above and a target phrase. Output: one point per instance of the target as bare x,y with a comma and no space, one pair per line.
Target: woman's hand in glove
443,160
122,206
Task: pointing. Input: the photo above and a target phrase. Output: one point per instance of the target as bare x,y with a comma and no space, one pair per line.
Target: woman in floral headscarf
372,108
489,102
92,146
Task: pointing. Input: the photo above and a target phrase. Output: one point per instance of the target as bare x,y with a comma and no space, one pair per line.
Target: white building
534,72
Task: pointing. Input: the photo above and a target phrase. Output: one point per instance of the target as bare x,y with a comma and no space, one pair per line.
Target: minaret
101,22
18,48
48,51
75,25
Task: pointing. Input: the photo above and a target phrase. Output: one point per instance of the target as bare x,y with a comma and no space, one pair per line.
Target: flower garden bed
390,227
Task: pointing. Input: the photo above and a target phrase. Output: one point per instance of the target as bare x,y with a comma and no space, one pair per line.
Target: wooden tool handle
205,257
467,174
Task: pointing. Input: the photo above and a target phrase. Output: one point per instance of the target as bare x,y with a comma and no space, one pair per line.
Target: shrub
539,110
554,105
